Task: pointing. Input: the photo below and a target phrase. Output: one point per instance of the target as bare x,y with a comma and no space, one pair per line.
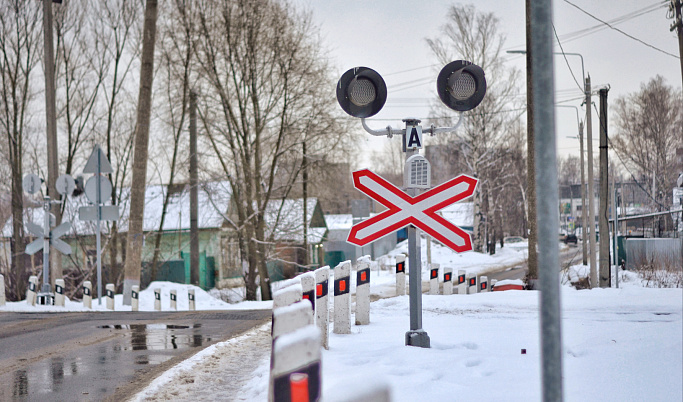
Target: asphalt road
104,356
570,256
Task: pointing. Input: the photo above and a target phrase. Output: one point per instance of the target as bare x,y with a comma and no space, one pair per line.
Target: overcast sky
389,36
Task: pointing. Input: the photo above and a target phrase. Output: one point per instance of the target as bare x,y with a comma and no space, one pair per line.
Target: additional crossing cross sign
419,211
54,235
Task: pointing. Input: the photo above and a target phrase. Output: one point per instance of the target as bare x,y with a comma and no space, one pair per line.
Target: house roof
339,222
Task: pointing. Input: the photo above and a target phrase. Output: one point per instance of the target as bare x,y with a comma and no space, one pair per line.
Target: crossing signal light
461,85
361,92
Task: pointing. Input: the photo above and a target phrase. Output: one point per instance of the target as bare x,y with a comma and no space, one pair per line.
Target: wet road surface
104,356
570,256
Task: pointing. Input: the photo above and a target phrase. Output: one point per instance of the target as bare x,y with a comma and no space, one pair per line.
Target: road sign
91,189
65,184
31,183
97,162
55,240
419,211
108,213
413,137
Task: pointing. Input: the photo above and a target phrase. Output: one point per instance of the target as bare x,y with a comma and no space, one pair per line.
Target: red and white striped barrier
308,287
447,281
157,299
508,284
434,279
59,292
2,290
462,282
322,280
87,294
295,354
363,292
400,275
342,298
31,292
191,300
483,284
110,296
135,298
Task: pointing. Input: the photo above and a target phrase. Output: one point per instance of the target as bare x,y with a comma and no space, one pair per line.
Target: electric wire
581,88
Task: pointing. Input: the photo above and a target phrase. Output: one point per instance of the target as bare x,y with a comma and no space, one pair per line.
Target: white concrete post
308,287
483,284
342,298
471,284
462,282
2,290
447,281
191,300
295,353
135,298
322,278
59,292
363,292
434,279
493,284
110,296
157,299
31,291
287,296
87,294
400,275
290,318
174,299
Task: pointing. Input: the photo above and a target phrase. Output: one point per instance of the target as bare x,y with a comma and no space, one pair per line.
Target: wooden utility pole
135,238
605,276
583,199
532,274
591,191
194,196
304,174
51,131
678,25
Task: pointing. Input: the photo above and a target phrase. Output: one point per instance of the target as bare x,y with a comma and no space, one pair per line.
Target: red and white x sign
419,211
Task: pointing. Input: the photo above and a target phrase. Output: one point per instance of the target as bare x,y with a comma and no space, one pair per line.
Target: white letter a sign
413,138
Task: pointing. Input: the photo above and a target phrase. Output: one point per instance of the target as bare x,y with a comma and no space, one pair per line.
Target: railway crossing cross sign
419,211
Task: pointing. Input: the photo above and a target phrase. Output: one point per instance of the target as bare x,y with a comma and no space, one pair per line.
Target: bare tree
473,36
569,169
20,31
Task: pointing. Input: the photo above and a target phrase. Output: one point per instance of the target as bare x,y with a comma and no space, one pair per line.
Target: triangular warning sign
98,162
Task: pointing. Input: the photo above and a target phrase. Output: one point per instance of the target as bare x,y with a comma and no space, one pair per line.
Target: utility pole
583,199
678,25
194,197
51,130
530,161
591,191
304,184
605,277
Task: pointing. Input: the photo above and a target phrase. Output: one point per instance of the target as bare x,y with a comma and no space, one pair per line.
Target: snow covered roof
286,218
460,214
339,222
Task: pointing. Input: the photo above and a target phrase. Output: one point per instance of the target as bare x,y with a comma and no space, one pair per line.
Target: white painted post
308,287
287,296
297,352
174,299
400,275
363,292
462,282
157,299
31,291
471,284
434,279
447,281
135,298
322,278
2,290
493,283
110,296
483,284
59,292
342,298
290,318
191,299
87,294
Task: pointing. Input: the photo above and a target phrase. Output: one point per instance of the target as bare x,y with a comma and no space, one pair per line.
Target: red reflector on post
319,289
363,276
298,383
342,286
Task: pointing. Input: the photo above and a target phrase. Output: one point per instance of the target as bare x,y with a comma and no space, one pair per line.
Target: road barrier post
363,292
322,278
157,299
174,299
471,284
288,319
59,292
493,283
434,279
135,298
483,284
31,291
308,287
110,296
191,300
297,352
289,295
2,290
462,282
447,281
87,294
342,298
400,275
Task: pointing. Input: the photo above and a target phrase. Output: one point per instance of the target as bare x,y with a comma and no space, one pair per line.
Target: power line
581,88
619,30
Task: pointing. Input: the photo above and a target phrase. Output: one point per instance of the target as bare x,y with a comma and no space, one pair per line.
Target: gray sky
389,36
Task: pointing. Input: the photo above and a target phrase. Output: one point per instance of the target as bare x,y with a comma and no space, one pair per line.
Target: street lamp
361,92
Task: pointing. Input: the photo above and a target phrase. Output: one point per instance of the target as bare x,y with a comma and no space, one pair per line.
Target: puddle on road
96,371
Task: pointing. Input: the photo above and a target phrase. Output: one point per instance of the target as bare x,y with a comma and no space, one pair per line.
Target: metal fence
665,253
